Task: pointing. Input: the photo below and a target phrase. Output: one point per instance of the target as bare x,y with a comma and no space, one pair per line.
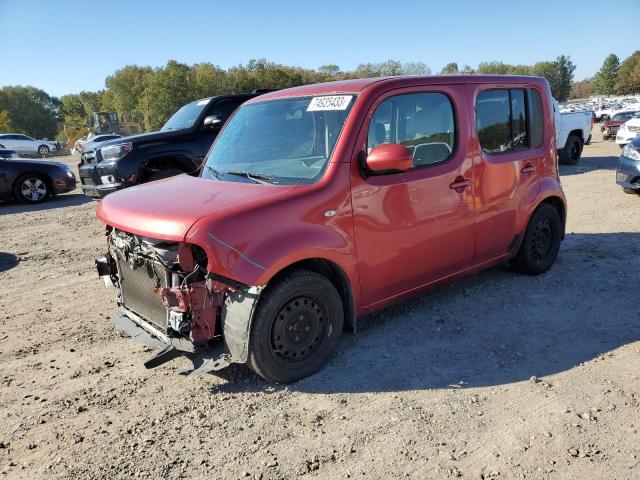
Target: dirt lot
497,376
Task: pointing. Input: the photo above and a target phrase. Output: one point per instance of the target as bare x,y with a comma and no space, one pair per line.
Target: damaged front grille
138,282
166,284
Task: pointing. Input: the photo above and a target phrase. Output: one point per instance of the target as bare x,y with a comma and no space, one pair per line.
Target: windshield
285,141
186,116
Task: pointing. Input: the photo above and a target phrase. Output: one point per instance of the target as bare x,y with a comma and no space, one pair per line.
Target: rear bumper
628,173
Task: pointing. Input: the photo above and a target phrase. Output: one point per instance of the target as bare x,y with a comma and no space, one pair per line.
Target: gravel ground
497,376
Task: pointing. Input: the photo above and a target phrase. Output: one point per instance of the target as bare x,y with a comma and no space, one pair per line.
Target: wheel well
557,203
335,275
179,162
577,133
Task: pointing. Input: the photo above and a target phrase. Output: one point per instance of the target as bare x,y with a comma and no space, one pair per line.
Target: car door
416,227
25,144
510,150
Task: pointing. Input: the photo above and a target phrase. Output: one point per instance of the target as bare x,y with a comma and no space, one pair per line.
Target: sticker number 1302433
332,102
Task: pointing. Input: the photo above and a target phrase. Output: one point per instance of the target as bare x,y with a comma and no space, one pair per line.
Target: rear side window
505,120
536,118
422,122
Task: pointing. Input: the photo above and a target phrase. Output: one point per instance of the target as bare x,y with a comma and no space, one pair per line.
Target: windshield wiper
256,177
216,173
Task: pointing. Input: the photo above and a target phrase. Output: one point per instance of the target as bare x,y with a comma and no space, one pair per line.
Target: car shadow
7,261
492,328
59,201
589,164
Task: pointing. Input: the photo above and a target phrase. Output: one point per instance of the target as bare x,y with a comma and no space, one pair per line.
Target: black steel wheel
541,242
570,154
296,327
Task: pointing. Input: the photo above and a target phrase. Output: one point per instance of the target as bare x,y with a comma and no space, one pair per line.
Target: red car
610,126
320,203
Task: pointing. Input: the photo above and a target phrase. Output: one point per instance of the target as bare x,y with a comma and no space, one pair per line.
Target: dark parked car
179,147
32,181
628,173
610,126
8,154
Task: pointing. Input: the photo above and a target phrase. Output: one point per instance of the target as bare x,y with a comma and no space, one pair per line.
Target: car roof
360,85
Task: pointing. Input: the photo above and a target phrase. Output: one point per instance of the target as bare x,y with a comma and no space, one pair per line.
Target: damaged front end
168,300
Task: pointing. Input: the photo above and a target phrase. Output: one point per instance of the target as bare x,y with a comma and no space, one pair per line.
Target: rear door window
503,120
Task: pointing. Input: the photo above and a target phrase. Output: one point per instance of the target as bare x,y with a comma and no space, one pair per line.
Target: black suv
179,147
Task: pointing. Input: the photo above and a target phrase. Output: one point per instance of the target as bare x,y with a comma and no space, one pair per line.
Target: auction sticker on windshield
332,102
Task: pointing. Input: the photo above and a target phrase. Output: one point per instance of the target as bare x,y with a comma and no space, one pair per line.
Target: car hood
634,122
143,138
30,161
166,209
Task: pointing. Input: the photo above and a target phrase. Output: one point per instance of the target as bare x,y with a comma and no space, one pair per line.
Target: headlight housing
116,152
623,128
630,151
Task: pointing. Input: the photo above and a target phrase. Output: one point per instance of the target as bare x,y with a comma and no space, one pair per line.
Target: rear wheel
570,154
296,327
43,150
541,242
31,188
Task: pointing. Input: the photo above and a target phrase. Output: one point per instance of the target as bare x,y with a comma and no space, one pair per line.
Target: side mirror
212,121
389,158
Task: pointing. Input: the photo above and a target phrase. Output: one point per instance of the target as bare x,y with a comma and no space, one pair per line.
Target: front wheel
31,188
630,191
541,242
43,151
296,327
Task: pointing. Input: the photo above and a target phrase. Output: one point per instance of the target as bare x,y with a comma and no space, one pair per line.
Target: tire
541,242
31,188
160,174
570,154
630,191
43,151
296,327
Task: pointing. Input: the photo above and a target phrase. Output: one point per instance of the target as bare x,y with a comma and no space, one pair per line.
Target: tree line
152,95
613,78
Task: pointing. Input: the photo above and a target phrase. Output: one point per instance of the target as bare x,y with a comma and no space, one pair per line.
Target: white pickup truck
573,131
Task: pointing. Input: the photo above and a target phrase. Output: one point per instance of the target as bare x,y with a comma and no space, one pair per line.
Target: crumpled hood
166,209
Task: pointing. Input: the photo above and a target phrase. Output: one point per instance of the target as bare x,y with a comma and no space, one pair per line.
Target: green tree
450,68
30,110
76,109
605,79
126,89
628,80
5,121
583,89
167,89
468,70
559,74
329,70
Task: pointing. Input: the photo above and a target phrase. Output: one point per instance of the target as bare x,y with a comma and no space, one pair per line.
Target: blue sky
65,46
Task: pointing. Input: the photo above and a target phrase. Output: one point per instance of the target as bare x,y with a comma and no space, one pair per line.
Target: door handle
528,168
460,184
